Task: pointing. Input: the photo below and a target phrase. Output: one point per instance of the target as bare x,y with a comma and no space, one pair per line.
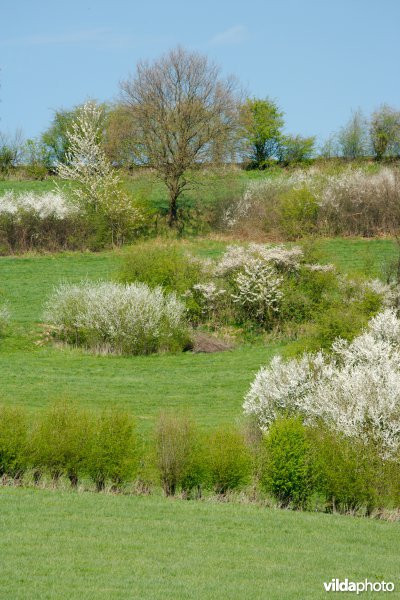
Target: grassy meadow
56,545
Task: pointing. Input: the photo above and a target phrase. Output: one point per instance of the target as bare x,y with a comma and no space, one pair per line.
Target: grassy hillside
111,547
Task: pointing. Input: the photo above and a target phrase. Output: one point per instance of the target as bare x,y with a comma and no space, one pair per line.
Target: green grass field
57,545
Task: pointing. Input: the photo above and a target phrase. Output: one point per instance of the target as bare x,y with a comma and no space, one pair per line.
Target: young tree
56,137
98,188
296,149
11,151
385,131
330,147
262,124
353,138
119,137
183,113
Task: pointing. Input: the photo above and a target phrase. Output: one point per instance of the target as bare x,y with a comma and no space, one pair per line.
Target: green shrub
13,442
348,472
113,450
298,213
230,460
162,264
339,322
306,293
60,442
389,484
288,466
179,454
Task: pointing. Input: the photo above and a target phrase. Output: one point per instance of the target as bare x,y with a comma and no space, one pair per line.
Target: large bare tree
184,115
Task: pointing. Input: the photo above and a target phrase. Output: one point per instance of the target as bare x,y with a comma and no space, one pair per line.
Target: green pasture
56,545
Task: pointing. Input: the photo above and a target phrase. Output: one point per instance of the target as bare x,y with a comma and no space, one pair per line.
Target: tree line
178,113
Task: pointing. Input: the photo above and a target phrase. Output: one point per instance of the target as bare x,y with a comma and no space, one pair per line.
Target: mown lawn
56,545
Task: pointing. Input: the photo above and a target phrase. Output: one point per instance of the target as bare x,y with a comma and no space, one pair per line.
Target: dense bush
60,443
51,221
350,201
354,390
179,455
298,213
112,454
229,460
14,457
117,318
161,264
348,472
266,287
32,221
288,469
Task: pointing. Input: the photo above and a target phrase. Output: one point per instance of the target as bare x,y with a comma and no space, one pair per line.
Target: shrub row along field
291,465
327,199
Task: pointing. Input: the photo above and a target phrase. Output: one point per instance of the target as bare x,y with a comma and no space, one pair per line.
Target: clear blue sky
318,58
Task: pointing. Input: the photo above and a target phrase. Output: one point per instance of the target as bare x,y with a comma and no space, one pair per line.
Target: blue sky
318,58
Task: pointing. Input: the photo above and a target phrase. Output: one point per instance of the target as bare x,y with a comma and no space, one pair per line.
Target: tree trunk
173,208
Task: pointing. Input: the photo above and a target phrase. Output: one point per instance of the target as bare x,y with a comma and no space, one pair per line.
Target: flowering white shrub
357,186
238,257
355,390
4,318
208,296
257,290
251,277
99,186
129,319
49,204
351,201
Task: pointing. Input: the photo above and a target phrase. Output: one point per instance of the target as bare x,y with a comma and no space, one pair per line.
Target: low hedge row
297,466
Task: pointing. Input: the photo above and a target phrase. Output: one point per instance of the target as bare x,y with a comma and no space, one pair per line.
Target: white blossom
209,294
49,204
87,164
356,389
237,257
257,289
126,318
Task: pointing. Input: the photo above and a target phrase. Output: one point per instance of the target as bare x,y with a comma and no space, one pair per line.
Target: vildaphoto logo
336,585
